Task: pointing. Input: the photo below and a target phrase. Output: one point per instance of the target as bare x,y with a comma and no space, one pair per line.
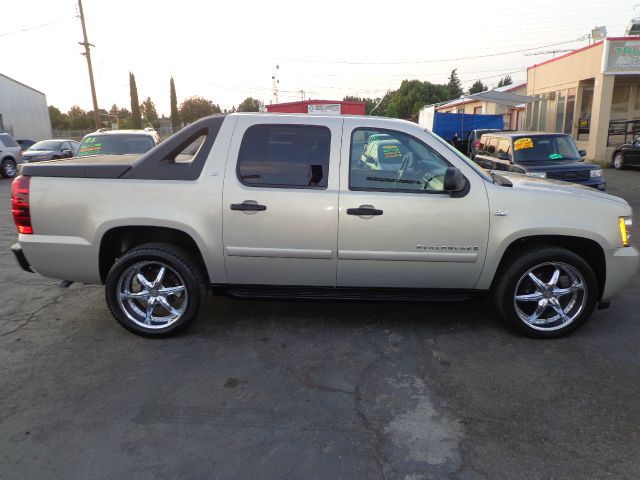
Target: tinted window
8,140
45,145
285,156
115,144
544,148
490,145
401,163
504,145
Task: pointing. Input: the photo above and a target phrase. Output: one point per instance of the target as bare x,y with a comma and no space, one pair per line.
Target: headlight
625,230
537,174
596,173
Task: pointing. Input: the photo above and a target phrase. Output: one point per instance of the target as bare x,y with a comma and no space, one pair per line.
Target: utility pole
87,53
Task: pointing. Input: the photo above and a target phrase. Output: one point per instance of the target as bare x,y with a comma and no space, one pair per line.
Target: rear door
398,228
280,210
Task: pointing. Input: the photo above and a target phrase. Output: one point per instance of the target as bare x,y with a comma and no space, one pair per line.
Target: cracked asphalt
278,390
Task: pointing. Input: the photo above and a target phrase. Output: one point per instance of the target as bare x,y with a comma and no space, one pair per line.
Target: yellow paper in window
522,143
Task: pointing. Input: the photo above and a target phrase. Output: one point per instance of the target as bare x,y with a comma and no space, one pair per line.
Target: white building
23,111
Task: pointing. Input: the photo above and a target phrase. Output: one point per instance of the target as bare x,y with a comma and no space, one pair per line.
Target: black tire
618,161
542,260
8,168
181,270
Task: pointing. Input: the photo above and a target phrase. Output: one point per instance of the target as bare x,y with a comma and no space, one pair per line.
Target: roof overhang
502,98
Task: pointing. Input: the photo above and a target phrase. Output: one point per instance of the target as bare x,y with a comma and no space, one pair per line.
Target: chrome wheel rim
617,161
152,294
9,168
550,296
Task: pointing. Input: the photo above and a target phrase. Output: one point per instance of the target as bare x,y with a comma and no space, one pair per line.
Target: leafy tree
59,120
135,104
194,108
477,87
148,111
79,119
504,81
454,87
412,95
175,115
250,104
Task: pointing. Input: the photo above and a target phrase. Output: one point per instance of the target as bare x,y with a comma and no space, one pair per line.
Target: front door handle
364,211
248,207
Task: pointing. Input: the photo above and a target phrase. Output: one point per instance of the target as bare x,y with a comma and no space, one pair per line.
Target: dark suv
541,155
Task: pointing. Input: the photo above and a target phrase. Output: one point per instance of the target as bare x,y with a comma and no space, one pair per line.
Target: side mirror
503,156
583,153
453,180
67,153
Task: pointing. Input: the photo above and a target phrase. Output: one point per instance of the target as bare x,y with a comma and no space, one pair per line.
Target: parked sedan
627,155
50,150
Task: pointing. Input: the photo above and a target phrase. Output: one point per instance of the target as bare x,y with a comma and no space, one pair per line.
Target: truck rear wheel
546,292
155,290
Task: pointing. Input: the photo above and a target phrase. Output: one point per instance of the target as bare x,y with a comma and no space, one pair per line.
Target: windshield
542,148
115,144
45,145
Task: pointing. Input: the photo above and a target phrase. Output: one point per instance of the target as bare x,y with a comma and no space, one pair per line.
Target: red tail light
477,144
20,204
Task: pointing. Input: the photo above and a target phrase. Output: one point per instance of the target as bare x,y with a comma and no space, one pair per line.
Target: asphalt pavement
294,390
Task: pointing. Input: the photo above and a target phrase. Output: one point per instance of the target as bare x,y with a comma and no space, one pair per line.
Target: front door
280,210
398,228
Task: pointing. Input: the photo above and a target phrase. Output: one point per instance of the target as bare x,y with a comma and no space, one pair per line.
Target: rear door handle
364,210
248,207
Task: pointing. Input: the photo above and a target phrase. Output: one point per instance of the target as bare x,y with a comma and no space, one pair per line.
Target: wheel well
8,157
121,239
588,249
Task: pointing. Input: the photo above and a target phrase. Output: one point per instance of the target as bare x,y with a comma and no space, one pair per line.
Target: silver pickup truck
319,207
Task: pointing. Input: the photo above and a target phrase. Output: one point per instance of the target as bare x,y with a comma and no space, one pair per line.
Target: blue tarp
447,124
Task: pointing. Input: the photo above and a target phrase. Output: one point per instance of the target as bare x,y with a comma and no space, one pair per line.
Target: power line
36,26
344,62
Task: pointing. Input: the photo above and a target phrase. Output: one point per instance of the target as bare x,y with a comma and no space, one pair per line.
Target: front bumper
622,265
20,258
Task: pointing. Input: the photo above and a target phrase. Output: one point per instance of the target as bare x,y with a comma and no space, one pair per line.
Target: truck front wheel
155,290
546,292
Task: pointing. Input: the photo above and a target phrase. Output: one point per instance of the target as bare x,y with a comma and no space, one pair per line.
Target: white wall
24,111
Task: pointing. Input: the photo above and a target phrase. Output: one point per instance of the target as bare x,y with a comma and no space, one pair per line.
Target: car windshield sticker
90,147
391,151
522,143
555,156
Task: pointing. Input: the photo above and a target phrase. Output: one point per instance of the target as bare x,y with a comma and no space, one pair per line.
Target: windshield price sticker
391,151
523,143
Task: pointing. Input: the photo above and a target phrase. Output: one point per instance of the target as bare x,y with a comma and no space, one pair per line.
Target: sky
227,51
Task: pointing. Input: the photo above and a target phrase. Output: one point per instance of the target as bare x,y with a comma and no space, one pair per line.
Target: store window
536,114
560,112
477,110
620,102
542,125
571,106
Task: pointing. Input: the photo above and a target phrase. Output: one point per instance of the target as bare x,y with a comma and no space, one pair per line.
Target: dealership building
592,93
